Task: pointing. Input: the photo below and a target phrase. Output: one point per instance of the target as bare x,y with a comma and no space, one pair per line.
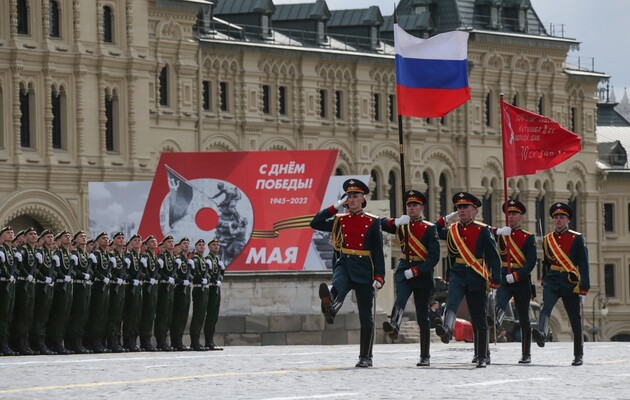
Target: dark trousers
421,297
41,311
133,309
521,291
115,311
571,303
59,311
475,298
99,307
149,307
181,308
78,310
200,306
7,302
212,313
164,311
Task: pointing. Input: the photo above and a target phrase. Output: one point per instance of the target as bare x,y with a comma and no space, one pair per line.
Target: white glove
170,281
218,283
402,220
29,278
509,278
93,258
86,276
39,257
106,280
505,231
11,279
452,217
119,281
152,281
377,285
340,203
67,278
127,262
2,257
494,293
113,261
221,265
209,263
56,259
186,282
48,280
161,262
204,281
136,282
143,261
408,273
178,262
582,298
75,259
18,255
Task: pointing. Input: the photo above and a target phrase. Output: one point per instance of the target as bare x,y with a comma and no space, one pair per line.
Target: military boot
79,348
482,348
145,343
195,344
5,350
540,334
327,303
61,349
392,326
445,331
526,345
42,348
24,349
578,351
364,348
162,344
425,343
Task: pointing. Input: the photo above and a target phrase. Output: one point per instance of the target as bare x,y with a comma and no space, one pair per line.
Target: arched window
164,86
22,17
488,110
27,111
111,123
58,106
108,24
54,19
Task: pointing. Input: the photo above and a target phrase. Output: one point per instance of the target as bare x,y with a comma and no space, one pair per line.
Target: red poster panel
258,204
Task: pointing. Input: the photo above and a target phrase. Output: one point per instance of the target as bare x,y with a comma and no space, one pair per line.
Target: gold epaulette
526,232
427,223
479,223
574,232
371,215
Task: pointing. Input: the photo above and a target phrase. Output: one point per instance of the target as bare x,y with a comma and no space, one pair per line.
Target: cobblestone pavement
314,372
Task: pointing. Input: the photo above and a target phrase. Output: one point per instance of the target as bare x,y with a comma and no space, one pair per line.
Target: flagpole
505,195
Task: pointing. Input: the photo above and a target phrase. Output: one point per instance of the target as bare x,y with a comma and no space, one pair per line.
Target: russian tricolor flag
431,74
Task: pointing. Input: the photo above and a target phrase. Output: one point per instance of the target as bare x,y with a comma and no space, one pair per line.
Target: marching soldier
102,264
116,294
63,292
216,271
199,294
81,292
167,261
565,276
44,290
414,274
181,295
133,295
24,290
515,276
151,272
360,265
471,247
7,288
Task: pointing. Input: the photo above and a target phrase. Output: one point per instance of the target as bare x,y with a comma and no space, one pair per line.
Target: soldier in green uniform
166,260
216,272
116,294
81,291
101,266
151,272
44,290
7,288
199,294
62,297
133,295
181,295
24,290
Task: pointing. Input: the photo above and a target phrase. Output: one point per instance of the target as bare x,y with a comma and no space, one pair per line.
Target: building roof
295,12
611,141
231,7
608,115
359,17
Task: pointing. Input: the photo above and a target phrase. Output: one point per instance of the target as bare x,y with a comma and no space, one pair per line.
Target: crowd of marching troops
482,259
65,294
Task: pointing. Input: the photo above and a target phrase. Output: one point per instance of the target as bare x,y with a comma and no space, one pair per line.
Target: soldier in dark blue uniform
414,273
565,276
474,267
360,266
515,275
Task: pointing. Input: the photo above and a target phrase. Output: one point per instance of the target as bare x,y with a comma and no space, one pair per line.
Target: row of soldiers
480,258
65,294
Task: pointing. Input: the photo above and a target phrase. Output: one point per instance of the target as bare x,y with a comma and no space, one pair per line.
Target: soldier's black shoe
481,362
577,361
475,359
370,361
525,359
539,337
213,347
327,303
5,350
424,362
443,333
391,330
163,346
364,362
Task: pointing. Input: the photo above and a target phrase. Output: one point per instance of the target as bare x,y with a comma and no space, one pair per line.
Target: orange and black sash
465,252
561,257
515,252
416,247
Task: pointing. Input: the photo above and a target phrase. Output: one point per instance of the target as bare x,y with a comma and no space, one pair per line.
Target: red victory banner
258,204
533,142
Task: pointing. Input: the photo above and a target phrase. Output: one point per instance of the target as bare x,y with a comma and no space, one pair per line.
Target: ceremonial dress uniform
102,263
8,264
44,291
113,326
360,265
133,297
474,266
151,270
81,293
199,295
181,297
516,276
62,297
24,294
216,271
414,273
167,262
565,276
